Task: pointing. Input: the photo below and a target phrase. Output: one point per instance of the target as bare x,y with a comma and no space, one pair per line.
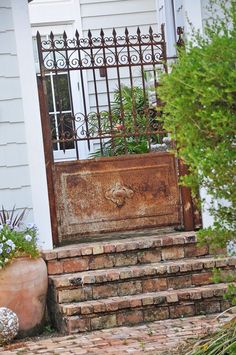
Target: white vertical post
32,121
165,15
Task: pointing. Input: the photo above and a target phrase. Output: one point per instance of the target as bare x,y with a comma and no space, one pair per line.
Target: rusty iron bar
122,114
65,41
110,136
82,86
103,43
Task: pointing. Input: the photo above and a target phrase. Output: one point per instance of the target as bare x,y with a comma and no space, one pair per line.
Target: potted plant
23,273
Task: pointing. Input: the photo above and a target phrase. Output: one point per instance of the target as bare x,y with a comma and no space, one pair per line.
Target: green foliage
223,342
230,279
200,111
16,239
129,115
48,329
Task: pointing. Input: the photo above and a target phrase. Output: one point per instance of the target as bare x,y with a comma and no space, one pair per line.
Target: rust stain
118,193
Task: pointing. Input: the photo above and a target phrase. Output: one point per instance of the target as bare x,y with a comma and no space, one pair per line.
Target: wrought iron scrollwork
129,119
66,53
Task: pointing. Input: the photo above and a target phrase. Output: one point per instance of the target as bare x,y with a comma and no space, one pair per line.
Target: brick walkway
161,337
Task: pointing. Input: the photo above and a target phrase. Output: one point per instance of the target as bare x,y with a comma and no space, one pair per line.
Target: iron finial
51,36
38,35
64,35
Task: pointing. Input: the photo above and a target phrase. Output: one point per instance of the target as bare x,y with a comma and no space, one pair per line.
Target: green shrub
200,111
130,115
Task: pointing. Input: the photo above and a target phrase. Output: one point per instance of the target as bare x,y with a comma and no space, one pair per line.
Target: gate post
187,202
48,155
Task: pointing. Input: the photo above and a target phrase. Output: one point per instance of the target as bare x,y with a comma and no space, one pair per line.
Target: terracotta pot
23,289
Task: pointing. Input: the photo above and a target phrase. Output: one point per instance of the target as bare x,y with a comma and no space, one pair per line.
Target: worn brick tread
141,300
80,258
136,271
132,310
113,246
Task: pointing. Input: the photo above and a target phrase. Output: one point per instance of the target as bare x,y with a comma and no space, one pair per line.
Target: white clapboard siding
12,132
14,171
51,12
117,21
11,157
14,177
15,194
10,112
9,67
118,7
7,40
11,87
7,23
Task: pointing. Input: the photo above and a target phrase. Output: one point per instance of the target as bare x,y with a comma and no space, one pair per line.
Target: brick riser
130,281
131,310
123,253
133,280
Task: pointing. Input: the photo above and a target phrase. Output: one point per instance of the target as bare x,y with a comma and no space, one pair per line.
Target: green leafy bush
200,111
16,239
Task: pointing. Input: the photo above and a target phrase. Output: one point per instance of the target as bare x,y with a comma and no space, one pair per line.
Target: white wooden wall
14,169
106,14
22,167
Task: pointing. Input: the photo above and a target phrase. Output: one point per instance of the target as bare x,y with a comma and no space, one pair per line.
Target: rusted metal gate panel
117,193
116,188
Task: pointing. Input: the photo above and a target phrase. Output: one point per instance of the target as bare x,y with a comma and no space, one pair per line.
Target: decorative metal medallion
118,194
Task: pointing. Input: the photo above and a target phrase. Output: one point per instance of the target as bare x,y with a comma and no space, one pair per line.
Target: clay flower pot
23,289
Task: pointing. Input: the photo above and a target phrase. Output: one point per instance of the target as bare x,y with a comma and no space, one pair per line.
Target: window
59,103
59,108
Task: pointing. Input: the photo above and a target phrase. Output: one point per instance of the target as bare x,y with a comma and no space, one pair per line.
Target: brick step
131,310
99,284
123,252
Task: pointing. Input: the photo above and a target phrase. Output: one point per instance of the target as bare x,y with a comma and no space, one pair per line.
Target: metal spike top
38,36
51,36
64,36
